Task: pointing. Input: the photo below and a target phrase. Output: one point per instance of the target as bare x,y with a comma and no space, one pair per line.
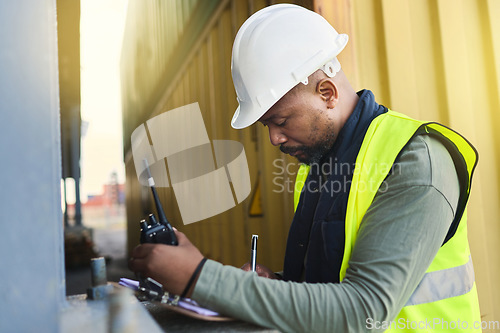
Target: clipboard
184,306
193,314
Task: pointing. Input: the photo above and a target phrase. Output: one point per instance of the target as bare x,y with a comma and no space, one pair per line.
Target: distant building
112,194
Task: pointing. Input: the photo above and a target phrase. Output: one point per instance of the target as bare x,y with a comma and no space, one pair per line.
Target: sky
101,31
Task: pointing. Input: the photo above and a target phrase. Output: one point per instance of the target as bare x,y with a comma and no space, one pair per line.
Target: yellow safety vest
446,298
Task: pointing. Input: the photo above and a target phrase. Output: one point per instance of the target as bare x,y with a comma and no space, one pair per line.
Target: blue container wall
31,241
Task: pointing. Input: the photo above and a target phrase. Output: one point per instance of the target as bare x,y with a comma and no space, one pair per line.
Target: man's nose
276,136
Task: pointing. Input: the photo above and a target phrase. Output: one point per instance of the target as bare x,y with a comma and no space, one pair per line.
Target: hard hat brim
242,120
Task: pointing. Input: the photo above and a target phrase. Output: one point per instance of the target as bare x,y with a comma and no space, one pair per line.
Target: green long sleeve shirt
398,238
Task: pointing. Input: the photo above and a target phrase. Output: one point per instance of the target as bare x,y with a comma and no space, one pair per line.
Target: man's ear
329,92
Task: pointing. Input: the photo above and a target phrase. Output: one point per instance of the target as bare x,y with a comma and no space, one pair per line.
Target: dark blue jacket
316,238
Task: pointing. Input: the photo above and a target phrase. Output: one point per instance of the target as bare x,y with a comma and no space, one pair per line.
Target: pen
253,258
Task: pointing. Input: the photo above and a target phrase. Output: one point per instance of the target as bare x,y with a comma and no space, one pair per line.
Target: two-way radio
152,230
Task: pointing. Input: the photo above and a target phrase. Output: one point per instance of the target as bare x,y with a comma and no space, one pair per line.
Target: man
379,237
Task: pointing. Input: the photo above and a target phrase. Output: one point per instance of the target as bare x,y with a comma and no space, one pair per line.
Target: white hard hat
275,49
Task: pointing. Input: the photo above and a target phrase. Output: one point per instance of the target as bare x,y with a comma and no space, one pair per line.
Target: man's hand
172,266
261,270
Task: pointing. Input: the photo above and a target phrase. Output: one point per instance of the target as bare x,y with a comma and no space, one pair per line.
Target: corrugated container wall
433,60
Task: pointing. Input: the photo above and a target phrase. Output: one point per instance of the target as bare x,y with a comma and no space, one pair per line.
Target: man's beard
314,153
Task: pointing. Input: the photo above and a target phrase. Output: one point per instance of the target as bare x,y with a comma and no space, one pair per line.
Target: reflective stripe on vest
445,283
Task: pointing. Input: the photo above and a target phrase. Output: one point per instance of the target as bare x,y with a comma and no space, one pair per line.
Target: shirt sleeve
398,238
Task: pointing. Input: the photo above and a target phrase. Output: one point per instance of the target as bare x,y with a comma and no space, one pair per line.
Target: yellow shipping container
433,60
